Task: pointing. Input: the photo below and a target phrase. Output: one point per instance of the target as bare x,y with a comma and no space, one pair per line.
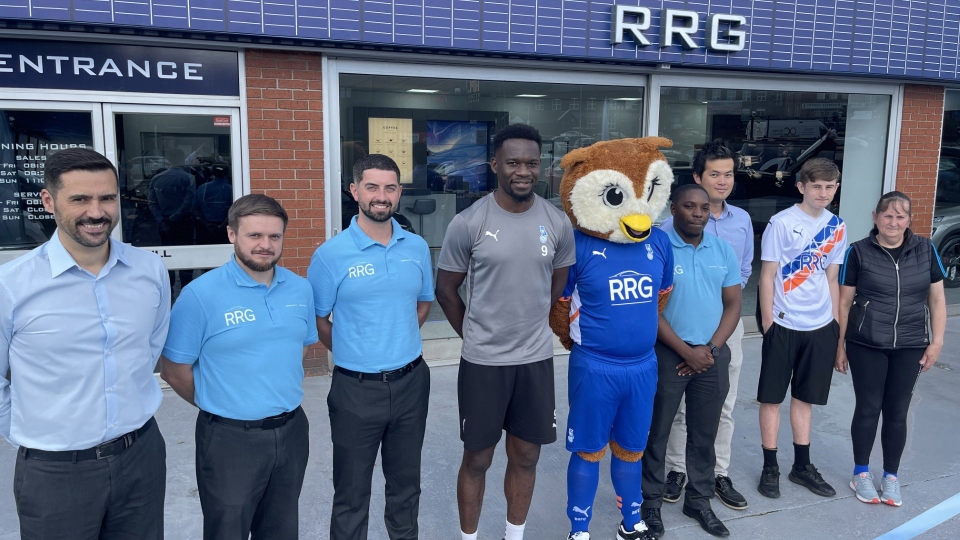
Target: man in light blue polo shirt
235,350
692,355
714,168
376,280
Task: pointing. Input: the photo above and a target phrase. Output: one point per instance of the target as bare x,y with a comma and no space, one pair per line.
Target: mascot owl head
615,189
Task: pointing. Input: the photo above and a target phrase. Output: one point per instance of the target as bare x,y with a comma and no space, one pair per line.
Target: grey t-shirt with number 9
509,260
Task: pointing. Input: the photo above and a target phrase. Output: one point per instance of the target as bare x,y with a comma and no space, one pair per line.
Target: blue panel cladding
280,17
467,16
574,27
438,23
494,24
523,25
49,9
549,27
916,38
345,20
312,18
950,48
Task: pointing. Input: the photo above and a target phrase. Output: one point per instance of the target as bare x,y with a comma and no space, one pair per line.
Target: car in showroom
946,238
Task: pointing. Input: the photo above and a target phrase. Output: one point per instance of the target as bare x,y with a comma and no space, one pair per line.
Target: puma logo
493,234
601,253
798,232
579,510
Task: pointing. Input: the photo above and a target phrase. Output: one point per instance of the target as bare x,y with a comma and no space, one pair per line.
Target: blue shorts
609,401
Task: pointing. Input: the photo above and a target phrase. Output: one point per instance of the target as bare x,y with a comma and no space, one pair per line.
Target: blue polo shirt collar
243,279
363,241
680,243
61,260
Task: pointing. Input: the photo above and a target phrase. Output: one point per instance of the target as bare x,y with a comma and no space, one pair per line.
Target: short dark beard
254,265
374,216
78,237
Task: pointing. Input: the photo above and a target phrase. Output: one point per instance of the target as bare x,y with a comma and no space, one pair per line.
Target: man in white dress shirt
83,319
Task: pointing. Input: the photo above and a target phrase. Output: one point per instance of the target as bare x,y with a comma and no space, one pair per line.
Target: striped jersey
803,247
613,290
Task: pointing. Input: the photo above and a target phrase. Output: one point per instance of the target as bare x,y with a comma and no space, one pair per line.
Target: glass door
30,132
179,171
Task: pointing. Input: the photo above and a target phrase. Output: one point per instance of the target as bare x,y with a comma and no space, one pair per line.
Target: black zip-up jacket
890,309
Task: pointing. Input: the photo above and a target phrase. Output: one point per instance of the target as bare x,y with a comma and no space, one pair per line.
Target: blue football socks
626,478
582,479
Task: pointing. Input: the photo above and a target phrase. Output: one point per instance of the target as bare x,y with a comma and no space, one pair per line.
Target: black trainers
770,482
640,532
728,495
651,517
674,486
810,478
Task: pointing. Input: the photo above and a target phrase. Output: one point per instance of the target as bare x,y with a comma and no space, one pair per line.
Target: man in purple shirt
713,168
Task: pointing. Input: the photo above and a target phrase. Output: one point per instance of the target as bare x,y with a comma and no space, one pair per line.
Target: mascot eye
612,196
653,186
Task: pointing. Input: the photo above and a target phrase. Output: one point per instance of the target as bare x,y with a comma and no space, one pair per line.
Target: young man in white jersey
802,251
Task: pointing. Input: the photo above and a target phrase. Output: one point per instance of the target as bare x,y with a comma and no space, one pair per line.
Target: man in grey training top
516,249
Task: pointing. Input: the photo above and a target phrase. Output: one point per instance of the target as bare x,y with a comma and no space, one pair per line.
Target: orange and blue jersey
803,248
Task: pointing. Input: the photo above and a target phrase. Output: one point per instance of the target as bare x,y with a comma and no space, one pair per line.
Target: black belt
270,422
101,451
382,376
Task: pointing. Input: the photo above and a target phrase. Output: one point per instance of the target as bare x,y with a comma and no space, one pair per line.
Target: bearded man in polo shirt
238,335
377,282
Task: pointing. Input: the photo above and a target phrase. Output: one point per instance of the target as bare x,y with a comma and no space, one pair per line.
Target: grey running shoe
890,488
674,486
862,485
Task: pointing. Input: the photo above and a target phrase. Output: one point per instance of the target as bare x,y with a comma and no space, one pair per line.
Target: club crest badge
543,234
649,252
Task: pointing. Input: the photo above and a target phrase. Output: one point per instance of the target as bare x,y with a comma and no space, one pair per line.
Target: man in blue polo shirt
235,349
692,355
376,280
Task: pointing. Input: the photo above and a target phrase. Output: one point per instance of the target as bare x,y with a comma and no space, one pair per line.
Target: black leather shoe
729,496
770,482
674,486
707,520
810,478
651,517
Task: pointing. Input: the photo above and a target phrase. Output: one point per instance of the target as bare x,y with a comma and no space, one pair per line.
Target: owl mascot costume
612,191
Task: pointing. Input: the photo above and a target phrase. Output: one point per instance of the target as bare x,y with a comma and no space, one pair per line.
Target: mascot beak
636,227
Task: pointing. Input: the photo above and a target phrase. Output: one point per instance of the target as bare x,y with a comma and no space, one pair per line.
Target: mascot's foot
579,536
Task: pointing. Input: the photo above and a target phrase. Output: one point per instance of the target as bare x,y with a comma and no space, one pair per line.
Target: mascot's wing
560,322
662,298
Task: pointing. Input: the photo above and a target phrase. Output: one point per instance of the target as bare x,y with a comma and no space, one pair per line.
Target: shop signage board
118,68
879,37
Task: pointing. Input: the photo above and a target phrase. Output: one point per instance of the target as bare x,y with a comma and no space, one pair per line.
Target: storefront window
176,181
440,132
946,215
27,139
775,133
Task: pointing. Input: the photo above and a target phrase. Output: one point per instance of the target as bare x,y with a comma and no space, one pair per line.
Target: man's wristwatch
714,350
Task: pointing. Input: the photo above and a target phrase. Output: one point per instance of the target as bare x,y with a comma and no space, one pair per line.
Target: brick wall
285,113
921,130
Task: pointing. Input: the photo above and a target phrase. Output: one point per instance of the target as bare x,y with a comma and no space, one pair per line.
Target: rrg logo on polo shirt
239,315
360,270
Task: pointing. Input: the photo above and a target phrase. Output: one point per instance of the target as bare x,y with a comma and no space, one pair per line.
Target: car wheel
950,257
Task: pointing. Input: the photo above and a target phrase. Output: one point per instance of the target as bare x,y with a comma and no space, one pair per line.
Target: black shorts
802,360
519,399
